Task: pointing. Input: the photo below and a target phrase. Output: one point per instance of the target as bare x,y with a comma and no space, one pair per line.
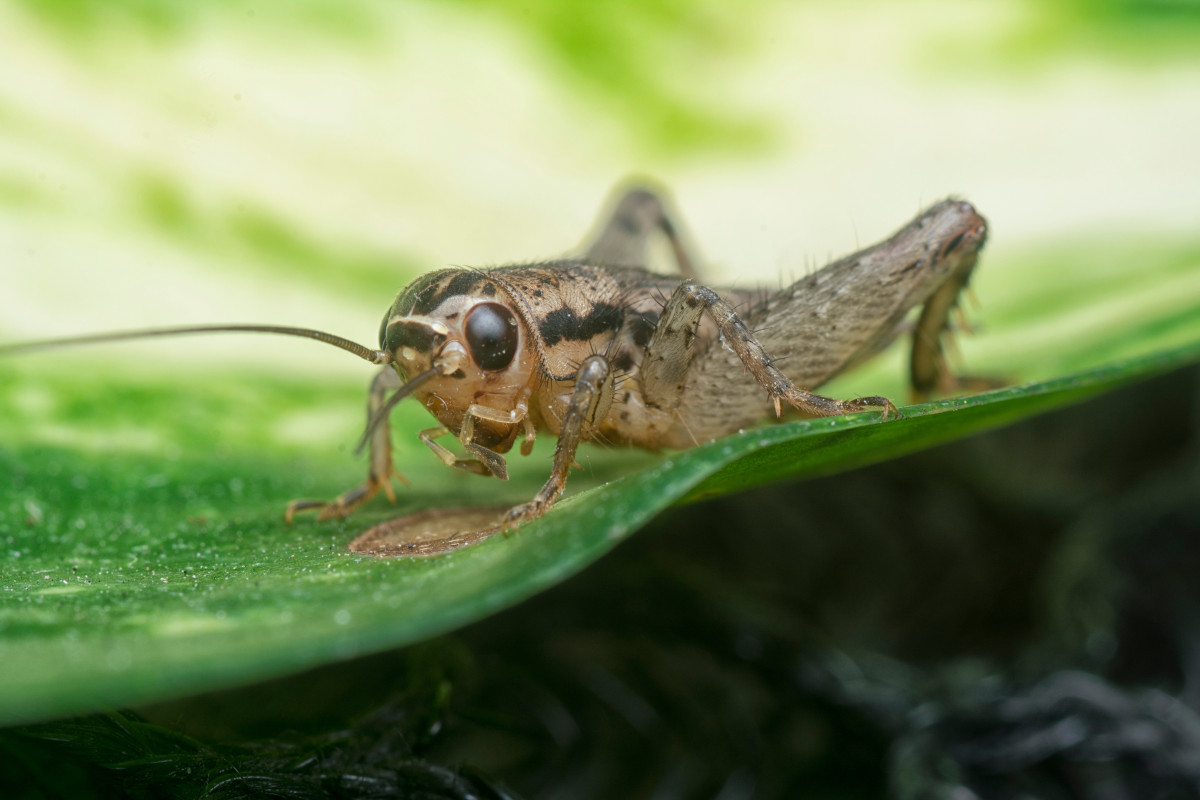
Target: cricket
594,347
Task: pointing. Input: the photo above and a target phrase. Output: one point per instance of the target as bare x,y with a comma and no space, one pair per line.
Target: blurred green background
297,163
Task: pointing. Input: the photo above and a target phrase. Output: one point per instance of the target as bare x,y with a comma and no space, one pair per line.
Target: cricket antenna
383,411
363,352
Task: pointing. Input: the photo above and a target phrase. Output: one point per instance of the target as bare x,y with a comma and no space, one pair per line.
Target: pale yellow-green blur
296,163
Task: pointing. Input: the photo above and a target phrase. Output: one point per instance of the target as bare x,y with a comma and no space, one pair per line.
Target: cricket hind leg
929,373
671,351
380,470
626,231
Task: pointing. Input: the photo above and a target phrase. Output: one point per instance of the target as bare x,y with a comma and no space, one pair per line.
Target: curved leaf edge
580,530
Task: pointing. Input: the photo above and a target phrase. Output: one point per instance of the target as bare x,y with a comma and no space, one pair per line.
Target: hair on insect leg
770,362
657,294
602,440
678,415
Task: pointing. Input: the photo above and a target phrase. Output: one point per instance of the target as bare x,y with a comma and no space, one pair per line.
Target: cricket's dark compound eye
492,335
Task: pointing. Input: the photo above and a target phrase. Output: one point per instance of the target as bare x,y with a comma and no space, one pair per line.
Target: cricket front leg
623,236
671,350
380,470
588,404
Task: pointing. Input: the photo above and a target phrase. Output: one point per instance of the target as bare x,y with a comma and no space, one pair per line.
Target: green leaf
126,581
142,553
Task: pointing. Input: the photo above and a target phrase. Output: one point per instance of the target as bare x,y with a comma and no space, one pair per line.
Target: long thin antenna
363,352
383,411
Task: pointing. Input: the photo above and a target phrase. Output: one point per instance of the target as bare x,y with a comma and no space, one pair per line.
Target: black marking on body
432,295
562,324
416,335
426,300
623,362
641,326
462,283
558,325
418,293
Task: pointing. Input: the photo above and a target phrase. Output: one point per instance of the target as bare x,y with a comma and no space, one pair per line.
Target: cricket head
456,339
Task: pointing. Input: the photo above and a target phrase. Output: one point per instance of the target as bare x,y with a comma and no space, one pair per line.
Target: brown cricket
597,347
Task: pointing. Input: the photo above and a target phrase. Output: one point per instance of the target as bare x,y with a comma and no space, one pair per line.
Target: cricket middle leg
589,402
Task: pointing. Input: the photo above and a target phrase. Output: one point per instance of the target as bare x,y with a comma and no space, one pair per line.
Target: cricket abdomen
835,318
